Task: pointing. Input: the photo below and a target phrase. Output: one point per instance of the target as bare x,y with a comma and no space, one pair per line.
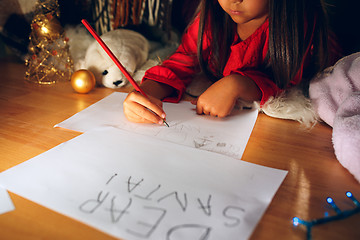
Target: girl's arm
179,69
164,82
220,98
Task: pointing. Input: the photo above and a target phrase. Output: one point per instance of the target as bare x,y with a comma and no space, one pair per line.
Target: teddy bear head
130,48
108,75
104,69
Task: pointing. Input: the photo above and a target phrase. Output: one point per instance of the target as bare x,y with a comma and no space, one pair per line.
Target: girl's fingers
152,104
134,116
140,109
212,111
199,109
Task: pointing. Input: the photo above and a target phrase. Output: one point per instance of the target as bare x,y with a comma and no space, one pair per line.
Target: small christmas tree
49,59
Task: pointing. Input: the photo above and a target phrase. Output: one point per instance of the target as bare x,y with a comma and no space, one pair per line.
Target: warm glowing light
44,29
48,56
301,201
79,82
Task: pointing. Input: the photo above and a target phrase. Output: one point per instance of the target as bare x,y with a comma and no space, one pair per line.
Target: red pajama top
246,57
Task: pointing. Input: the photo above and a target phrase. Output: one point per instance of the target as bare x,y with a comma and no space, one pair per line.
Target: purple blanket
335,95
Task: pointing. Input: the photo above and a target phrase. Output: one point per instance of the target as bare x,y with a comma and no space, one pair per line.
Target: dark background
343,18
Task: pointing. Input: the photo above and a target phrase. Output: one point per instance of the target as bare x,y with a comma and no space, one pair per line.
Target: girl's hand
220,98
140,109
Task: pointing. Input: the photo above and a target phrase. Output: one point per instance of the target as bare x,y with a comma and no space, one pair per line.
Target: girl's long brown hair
294,26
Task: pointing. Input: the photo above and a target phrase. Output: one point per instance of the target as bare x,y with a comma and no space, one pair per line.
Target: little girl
250,49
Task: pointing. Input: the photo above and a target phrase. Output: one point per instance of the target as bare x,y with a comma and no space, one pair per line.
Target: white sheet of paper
136,187
6,205
228,136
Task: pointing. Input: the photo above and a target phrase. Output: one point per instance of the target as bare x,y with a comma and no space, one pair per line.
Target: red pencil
112,56
116,61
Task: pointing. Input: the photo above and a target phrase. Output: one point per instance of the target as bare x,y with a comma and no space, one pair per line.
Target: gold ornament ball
83,81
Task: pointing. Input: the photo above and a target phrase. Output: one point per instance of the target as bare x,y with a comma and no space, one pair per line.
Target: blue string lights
339,215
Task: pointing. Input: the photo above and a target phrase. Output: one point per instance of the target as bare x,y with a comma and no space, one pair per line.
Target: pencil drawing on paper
189,135
197,137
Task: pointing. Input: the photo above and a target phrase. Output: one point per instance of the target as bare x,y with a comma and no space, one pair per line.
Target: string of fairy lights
339,215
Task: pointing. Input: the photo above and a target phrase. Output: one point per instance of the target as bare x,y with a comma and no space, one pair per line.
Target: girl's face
244,11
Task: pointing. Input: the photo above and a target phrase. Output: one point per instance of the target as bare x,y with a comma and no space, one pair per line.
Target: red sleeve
178,70
267,87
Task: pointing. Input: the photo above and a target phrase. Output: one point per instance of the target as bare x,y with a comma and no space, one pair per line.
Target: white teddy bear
130,47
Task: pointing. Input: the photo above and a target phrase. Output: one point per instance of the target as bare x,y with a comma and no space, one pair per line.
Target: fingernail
163,115
161,122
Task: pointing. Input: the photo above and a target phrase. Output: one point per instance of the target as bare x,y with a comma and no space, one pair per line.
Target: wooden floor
29,112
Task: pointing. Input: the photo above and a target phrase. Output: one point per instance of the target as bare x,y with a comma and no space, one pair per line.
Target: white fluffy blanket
335,95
